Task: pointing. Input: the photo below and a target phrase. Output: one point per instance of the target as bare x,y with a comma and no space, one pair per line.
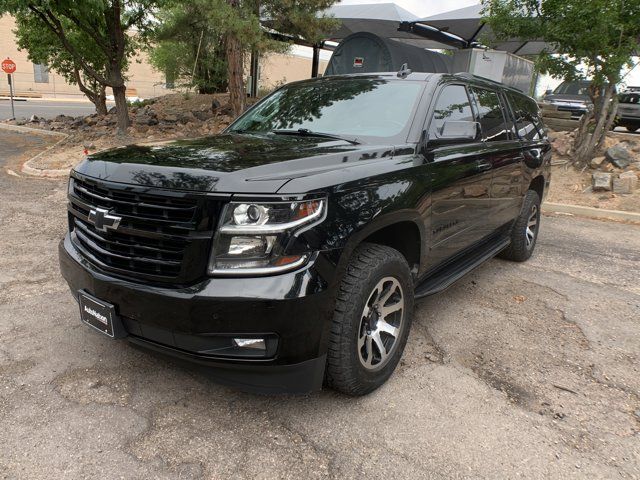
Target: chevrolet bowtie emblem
102,220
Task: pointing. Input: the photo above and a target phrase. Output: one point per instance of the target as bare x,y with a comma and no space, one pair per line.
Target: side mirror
548,91
456,131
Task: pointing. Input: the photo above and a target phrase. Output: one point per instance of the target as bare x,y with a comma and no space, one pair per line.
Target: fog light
252,343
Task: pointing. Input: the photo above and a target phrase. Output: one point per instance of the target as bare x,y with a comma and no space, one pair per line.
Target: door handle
483,167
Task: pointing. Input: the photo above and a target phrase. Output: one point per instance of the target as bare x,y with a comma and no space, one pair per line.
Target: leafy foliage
189,47
107,27
594,39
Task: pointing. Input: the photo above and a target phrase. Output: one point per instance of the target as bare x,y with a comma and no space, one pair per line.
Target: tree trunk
588,141
101,101
235,68
235,72
122,109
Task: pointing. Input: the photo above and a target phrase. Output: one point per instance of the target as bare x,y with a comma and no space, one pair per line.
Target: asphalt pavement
518,371
45,108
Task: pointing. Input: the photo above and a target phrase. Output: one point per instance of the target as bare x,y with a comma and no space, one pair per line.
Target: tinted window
490,115
630,98
525,111
453,104
359,107
573,88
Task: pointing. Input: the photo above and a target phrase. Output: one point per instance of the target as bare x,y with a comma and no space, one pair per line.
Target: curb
18,128
27,169
591,212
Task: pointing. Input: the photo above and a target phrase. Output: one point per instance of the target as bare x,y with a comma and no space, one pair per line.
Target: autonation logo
96,315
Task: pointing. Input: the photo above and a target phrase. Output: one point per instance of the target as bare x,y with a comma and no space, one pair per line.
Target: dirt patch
163,118
573,187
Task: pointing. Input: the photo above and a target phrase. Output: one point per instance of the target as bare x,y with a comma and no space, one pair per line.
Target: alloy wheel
532,225
381,324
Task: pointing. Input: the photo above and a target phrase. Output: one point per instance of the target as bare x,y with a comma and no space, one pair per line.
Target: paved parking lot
520,370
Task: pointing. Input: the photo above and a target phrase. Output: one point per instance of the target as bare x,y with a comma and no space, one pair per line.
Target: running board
449,274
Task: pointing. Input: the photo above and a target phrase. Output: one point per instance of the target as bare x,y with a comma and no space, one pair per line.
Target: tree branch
56,27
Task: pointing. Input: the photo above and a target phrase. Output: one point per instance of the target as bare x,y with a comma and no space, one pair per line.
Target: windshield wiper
305,132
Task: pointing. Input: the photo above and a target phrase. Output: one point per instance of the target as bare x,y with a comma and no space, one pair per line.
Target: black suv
289,250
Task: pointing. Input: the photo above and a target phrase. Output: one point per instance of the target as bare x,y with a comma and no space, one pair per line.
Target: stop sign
8,66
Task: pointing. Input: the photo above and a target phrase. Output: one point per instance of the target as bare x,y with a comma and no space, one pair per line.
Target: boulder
619,155
562,145
142,119
185,118
34,119
626,182
596,162
202,115
601,181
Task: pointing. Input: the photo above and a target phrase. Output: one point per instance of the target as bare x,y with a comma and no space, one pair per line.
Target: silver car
629,111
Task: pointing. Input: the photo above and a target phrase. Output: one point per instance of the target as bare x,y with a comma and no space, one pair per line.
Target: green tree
44,47
188,47
594,39
107,24
247,24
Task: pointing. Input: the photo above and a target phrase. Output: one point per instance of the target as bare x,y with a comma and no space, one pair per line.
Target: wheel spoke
388,310
368,361
380,345
392,289
361,341
387,328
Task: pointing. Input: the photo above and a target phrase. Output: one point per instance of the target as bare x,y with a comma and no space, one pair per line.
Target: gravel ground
519,370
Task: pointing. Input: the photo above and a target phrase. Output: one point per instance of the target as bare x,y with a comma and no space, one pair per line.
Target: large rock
619,155
627,182
145,120
601,181
596,162
562,145
203,115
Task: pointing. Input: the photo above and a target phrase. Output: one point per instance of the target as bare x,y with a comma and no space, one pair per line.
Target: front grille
164,236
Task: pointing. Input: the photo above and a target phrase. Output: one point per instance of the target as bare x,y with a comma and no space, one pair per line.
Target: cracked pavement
519,370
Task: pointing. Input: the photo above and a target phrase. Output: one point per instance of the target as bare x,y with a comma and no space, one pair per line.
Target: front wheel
524,233
371,322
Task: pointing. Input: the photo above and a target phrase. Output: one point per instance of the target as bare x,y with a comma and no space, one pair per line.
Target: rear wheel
525,230
371,321
632,129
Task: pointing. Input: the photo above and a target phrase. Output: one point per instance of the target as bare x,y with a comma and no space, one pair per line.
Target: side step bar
446,276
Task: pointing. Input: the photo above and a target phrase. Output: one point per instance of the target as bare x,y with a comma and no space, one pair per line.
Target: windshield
351,107
572,88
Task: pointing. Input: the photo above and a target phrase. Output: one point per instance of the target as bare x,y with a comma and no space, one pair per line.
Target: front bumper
189,323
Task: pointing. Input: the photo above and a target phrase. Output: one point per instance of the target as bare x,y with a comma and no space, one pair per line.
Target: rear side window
453,104
490,115
528,122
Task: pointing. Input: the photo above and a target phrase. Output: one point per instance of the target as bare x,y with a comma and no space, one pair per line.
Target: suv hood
228,163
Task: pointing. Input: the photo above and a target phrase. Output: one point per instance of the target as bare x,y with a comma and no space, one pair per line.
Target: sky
421,8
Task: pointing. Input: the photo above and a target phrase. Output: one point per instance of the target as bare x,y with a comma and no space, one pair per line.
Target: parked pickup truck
288,251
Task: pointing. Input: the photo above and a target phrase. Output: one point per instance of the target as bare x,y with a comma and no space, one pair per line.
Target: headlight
252,237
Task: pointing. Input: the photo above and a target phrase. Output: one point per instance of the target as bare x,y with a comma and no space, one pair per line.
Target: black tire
632,129
351,367
522,243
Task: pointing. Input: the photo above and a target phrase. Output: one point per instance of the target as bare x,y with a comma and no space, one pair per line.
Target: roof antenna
404,71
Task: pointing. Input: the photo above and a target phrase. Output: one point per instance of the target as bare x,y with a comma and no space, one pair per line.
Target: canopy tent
467,24
364,52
